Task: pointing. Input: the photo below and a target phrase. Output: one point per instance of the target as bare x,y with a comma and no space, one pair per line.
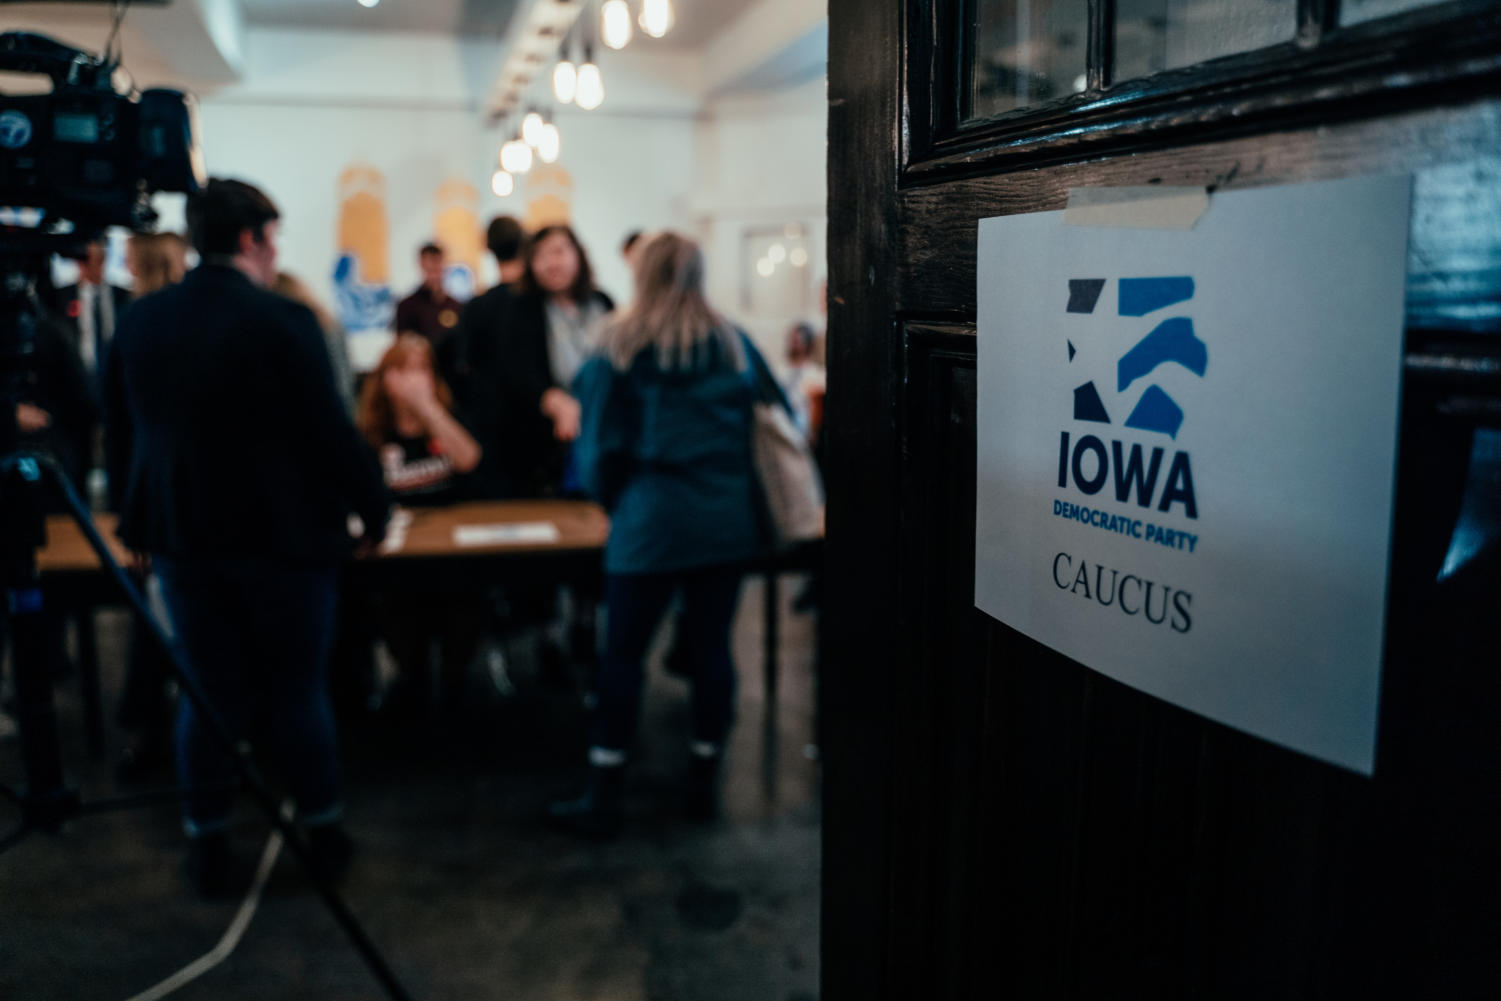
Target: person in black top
431,312
405,415
483,323
427,457
550,333
243,470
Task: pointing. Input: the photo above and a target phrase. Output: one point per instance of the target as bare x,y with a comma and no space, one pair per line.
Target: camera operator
243,466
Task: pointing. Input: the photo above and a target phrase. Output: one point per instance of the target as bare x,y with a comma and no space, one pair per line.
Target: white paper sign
519,533
1187,445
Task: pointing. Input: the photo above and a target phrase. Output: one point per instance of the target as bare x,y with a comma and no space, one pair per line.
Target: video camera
86,152
78,159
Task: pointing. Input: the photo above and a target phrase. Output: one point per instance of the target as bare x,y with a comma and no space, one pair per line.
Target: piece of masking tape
1147,207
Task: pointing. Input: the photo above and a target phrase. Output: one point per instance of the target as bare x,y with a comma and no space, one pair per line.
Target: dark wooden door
1002,822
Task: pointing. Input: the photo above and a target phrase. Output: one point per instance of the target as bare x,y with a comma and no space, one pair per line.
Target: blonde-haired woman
291,287
665,445
155,260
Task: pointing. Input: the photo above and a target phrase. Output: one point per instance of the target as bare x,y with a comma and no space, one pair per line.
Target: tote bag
790,484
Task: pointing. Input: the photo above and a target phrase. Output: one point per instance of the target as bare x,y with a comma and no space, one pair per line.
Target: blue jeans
256,636
636,605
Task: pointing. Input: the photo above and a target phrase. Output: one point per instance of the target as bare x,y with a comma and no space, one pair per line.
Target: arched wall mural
362,270
456,228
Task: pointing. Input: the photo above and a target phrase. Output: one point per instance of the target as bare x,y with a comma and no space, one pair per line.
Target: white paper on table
518,533
396,531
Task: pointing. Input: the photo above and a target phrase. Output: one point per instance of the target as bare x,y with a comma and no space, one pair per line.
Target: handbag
791,488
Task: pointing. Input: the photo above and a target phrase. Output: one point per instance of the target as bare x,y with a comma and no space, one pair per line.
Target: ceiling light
799,257
656,17
615,23
565,81
501,182
369,3
591,89
550,143
777,253
516,157
531,128
766,267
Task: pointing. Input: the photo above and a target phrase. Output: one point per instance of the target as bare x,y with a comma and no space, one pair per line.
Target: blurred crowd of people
219,407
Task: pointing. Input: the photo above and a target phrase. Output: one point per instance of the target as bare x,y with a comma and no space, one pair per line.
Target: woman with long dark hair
550,334
665,445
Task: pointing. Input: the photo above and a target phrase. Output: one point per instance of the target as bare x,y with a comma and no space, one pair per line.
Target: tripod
47,802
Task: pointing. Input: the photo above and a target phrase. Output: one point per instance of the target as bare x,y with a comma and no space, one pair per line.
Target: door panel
1003,822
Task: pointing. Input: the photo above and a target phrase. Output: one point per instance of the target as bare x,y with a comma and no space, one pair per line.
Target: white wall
761,162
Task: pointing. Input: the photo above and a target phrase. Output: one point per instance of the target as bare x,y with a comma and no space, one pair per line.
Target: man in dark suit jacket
92,308
239,467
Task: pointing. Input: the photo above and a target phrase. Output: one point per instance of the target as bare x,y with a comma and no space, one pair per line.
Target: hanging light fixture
615,23
502,183
531,128
550,143
656,17
516,157
565,78
591,85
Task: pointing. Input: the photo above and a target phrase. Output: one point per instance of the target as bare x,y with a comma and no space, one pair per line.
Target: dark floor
456,881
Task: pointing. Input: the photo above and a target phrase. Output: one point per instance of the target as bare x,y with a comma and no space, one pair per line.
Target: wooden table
429,553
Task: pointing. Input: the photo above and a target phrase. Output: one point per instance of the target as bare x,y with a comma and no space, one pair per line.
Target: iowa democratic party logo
1138,467
1171,340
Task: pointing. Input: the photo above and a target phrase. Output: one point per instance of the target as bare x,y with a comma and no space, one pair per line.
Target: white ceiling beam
757,37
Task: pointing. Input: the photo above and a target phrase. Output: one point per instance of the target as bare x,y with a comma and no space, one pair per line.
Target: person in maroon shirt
432,312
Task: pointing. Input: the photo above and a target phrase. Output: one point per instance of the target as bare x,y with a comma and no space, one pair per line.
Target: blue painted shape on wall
1084,293
1140,296
1071,351
1172,341
1156,411
1087,405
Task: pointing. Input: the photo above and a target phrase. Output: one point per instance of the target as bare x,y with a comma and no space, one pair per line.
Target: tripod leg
47,800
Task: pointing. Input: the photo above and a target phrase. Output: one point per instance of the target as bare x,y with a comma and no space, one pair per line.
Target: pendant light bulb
549,144
615,23
565,81
531,128
591,89
656,17
502,183
516,157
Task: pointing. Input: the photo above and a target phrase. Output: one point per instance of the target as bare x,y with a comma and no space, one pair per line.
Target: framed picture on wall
776,270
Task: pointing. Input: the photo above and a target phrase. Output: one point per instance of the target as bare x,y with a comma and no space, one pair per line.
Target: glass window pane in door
1024,52
1358,11
1156,35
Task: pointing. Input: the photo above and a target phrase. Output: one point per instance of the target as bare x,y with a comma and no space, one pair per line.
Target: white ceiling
465,17
697,20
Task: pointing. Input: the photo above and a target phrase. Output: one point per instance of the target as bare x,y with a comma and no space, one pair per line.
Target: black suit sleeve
334,446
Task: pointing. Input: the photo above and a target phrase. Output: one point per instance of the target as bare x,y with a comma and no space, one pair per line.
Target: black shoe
599,812
213,868
332,851
702,801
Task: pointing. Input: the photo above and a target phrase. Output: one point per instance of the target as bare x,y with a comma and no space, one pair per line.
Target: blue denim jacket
668,453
